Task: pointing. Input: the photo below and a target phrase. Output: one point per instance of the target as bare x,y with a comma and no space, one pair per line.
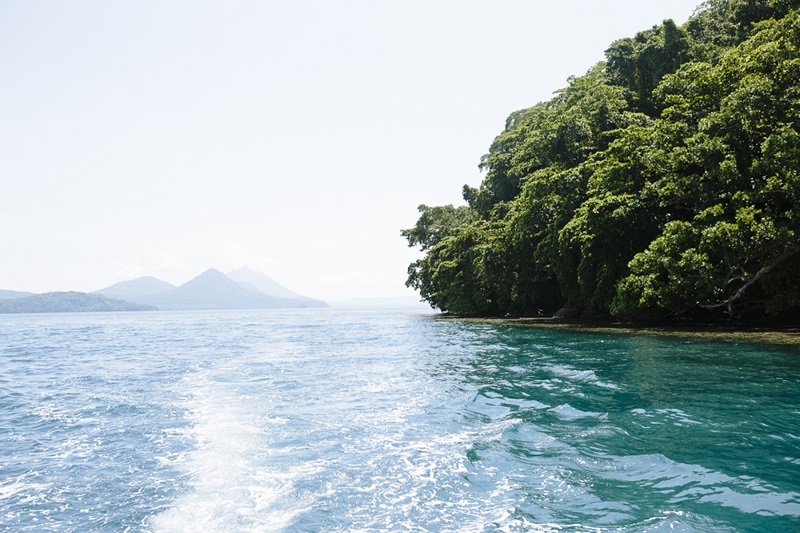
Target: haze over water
343,420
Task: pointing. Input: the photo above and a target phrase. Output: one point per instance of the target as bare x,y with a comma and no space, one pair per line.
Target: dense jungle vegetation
663,184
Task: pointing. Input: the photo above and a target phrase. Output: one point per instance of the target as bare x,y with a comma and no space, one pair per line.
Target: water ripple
331,420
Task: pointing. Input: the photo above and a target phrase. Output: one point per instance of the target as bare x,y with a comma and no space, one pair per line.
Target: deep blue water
334,420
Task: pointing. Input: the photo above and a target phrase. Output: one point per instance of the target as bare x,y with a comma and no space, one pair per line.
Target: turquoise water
333,420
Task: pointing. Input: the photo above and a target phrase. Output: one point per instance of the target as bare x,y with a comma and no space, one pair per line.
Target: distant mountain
8,295
254,280
261,283
214,290
137,289
68,302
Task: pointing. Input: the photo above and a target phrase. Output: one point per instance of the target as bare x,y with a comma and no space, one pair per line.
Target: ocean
388,420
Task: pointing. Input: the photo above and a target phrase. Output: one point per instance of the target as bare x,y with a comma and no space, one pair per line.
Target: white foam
19,485
567,412
580,376
233,485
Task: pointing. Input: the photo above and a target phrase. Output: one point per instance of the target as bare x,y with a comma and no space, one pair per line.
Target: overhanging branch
760,274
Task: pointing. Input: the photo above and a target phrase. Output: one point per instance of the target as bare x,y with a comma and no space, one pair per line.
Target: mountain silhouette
137,289
213,290
261,283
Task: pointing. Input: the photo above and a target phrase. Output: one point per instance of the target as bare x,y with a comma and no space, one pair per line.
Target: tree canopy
662,184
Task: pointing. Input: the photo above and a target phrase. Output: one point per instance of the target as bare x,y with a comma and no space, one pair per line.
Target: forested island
68,302
662,184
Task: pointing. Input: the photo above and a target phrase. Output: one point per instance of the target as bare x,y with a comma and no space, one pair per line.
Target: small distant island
662,185
68,302
240,289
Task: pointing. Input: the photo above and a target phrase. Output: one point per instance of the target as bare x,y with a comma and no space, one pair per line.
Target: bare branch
760,274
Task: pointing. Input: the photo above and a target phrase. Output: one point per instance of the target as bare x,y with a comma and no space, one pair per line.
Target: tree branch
760,274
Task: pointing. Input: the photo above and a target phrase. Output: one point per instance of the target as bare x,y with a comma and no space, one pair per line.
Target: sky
297,138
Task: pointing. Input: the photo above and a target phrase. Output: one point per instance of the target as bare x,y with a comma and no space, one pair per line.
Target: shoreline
786,336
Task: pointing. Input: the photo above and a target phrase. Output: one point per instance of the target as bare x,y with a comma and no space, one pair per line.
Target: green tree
663,183
639,63
733,183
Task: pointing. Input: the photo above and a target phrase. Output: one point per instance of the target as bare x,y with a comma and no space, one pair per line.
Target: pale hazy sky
296,137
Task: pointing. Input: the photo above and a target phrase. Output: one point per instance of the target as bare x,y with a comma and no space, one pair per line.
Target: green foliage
452,276
560,134
436,223
663,183
733,182
640,63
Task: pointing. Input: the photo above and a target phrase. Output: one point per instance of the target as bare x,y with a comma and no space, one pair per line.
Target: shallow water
333,420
